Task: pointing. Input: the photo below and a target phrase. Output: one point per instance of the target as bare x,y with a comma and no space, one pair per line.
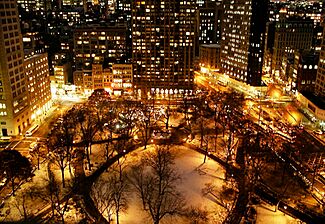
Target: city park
202,160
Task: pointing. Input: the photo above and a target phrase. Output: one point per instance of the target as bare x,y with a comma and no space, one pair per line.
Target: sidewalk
266,214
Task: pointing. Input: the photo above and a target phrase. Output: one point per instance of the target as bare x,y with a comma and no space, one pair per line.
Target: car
319,132
5,138
3,182
32,146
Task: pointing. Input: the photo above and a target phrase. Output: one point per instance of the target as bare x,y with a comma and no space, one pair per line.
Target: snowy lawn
195,175
267,214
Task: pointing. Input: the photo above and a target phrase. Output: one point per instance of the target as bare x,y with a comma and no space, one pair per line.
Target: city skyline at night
162,111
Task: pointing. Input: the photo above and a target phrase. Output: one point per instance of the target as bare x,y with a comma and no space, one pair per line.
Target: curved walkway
235,216
87,182
263,191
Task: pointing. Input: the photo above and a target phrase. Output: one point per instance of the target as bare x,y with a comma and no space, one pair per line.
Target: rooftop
211,45
319,101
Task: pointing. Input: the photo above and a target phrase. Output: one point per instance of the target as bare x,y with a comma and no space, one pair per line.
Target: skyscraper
291,34
34,5
320,78
209,19
14,104
242,42
163,45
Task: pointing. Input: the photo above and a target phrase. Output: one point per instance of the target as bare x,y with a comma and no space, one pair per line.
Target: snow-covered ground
13,206
267,214
195,175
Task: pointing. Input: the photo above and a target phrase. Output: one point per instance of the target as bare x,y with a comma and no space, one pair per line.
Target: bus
31,130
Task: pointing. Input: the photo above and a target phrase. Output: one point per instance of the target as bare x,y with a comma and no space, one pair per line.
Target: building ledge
317,100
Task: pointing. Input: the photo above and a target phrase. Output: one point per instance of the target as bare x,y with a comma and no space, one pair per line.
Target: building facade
14,104
304,69
210,56
291,34
243,37
117,80
33,44
61,72
163,44
35,5
122,78
38,85
209,18
320,79
99,45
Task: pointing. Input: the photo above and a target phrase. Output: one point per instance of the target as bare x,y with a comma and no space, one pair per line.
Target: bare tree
53,194
197,215
139,180
69,133
185,108
156,185
119,188
88,126
145,123
38,152
58,154
128,115
14,166
100,193
216,101
21,205
211,190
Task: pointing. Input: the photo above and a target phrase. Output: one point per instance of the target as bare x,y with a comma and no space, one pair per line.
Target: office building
291,34
122,78
35,5
302,76
61,72
320,78
210,57
209,18
33,44
117,81
163,43
38,85
99,45
14,104
243,39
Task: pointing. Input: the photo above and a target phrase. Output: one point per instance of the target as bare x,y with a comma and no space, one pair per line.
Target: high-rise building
102,45
320,78
163,43
14,104
38,85
35,5
210,56
99,45
122,77
302,76
243,37
291,34
33,44
209,18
